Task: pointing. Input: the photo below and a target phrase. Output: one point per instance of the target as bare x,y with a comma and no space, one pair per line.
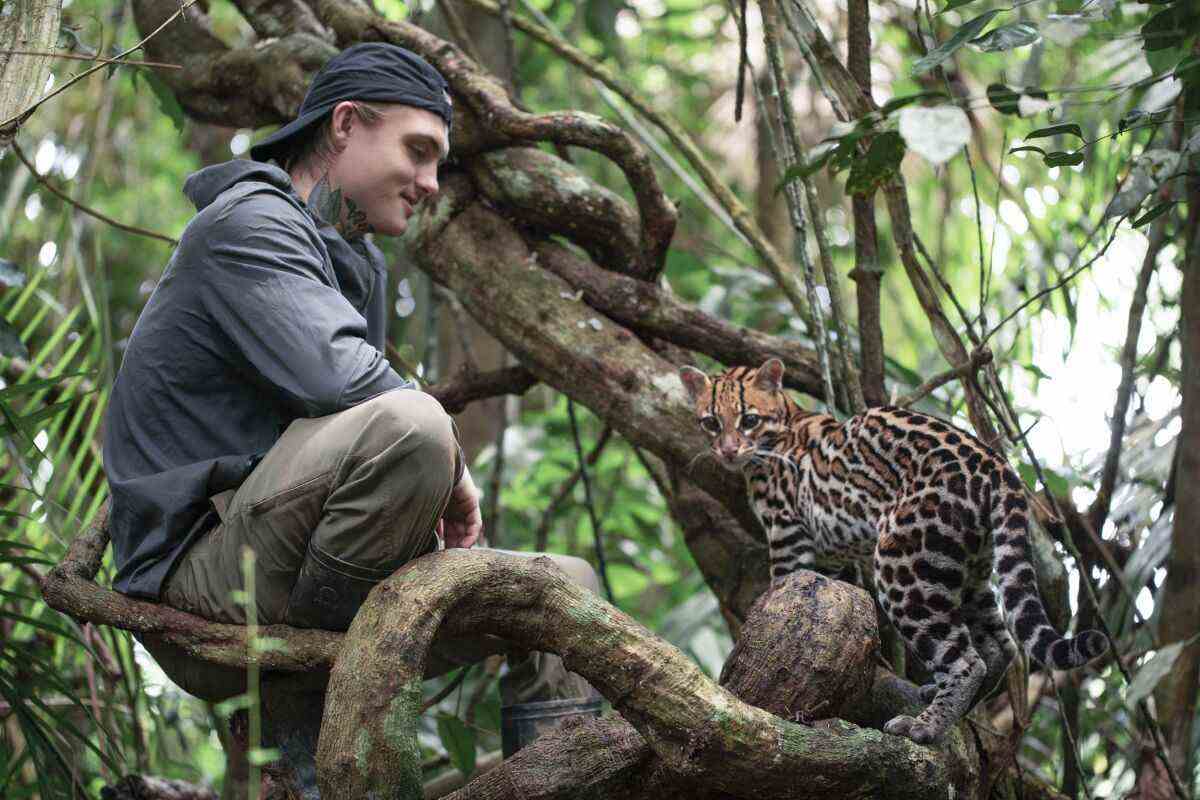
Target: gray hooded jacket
263,315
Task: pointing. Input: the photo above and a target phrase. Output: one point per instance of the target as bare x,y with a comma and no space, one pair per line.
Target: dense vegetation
1047,153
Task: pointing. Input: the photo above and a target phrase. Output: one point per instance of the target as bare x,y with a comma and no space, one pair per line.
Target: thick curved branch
542,191
72,589
698,729
277,18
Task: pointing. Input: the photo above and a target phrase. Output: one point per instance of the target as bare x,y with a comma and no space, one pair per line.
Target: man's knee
413,424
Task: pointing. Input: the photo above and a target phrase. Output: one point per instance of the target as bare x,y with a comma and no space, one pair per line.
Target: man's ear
341,121
695,381
769,377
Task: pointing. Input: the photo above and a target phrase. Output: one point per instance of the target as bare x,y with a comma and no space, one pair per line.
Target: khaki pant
338,504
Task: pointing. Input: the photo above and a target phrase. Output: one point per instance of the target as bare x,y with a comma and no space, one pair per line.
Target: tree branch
465,388
698,729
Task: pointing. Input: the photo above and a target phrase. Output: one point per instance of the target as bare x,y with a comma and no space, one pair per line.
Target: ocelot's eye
711,425
750,421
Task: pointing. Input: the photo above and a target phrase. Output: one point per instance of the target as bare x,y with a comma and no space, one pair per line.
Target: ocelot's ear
769,377
695,381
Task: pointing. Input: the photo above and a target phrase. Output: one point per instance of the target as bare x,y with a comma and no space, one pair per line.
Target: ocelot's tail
1018,587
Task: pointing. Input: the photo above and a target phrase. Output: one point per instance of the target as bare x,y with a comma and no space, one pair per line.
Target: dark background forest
984,211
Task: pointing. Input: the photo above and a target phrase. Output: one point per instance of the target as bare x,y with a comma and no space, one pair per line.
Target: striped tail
1018,588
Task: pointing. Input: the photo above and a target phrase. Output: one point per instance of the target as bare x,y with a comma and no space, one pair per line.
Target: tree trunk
26,26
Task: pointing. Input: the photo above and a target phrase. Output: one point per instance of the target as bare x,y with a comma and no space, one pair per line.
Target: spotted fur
925,507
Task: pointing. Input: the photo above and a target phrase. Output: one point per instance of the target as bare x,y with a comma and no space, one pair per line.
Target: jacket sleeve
266,287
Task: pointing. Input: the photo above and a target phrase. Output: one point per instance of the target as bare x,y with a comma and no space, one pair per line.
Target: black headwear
372,71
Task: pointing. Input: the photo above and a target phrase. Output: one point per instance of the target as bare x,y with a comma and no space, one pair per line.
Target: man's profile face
387,168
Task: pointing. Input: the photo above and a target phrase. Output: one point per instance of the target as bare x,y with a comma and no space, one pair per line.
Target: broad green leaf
1168,28
878,166
1153,671
11,275
1061,158
1003,99
459,741
966,33
935,134
1153,214
167,101
1023,148
1007,37
1055,130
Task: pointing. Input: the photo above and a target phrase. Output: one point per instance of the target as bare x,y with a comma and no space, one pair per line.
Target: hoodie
264,314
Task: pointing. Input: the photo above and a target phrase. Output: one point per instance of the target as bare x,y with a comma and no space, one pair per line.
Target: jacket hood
203,187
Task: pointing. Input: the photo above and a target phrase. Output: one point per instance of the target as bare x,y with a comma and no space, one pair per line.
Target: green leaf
953,4
798,171
1154,213
1007,37
33,386
967,32
10,341
11,275
167,102
1153,671
459,741
1033,368
1027,473
1168,28
897,103
1055,130
1003,99
878,166
1022,149
1061,158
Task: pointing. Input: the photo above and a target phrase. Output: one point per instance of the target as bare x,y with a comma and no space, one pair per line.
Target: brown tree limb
867,273
458,392
653,312
979,359
699,730
275,18
1098,512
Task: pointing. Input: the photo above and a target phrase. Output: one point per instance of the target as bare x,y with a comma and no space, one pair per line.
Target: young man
254,406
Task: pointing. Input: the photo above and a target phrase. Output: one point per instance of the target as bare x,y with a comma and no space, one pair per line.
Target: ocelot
923,506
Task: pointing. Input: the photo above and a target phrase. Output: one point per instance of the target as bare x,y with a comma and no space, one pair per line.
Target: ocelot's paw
909,727
928,692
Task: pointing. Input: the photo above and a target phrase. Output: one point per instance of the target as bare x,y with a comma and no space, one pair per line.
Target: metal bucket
521,724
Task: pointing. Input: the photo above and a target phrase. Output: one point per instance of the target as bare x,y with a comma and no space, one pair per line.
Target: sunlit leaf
1061,158
1152,672
967,32
1055,130
1007,37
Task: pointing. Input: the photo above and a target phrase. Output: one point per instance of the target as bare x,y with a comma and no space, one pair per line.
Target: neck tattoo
337,210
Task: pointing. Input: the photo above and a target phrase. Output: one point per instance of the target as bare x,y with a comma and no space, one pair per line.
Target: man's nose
427,182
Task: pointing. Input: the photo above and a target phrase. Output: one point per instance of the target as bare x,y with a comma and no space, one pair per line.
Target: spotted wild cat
927,507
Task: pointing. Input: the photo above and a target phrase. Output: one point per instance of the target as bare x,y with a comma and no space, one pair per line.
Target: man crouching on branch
254,406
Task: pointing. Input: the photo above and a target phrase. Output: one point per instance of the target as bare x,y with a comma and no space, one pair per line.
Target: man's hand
462,523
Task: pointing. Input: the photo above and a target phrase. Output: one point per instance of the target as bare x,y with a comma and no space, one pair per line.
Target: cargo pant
335,506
